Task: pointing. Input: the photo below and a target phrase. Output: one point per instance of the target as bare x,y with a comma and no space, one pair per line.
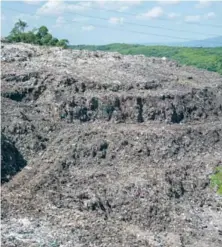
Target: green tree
17,31
42,31
21,25
29,37
14,35
53,42
39,36
63,43
46,39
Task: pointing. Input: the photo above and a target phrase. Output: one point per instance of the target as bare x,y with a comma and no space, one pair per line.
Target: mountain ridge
209,42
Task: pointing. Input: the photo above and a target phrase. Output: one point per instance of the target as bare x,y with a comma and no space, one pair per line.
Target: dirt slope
100,149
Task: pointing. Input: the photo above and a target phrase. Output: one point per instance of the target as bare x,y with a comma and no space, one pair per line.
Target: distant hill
211,42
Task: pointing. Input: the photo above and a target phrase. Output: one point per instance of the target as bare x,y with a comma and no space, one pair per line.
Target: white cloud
3,17
173,15
78,6
155,12
203,4
60,21
32,2
169,2
53,7
88,28
120,2
131,2
123,8
117,5
192,18
80,19
25,17
99,2
210,15
116,20
85,4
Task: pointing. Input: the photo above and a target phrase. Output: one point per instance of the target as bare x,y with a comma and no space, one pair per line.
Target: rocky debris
130,89
11,161
101,149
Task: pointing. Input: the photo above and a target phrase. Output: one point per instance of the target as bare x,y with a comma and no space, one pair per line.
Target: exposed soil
101,149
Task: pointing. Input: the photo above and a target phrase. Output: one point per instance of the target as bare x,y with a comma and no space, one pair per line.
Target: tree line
38,36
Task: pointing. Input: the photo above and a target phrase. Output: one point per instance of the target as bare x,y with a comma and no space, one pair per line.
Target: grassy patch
216,180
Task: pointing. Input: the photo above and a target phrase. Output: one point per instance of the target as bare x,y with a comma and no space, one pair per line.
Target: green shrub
216,180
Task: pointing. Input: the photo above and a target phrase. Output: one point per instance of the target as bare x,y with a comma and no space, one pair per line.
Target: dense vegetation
206,58
38,36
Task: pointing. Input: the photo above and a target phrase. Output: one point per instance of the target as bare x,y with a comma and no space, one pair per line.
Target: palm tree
21,25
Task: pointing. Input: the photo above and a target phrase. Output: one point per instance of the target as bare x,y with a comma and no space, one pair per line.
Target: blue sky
153,21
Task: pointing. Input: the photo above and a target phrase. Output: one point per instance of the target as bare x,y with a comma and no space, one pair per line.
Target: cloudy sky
102,22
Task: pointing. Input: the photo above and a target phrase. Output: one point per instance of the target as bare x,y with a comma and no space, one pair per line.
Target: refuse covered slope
108,150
